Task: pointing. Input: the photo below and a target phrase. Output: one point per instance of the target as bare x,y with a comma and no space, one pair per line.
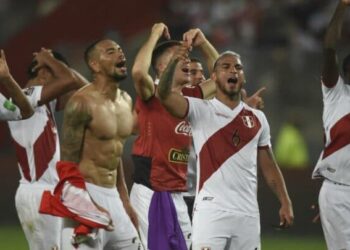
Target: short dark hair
34,73
195,60
226,53
160,49
88,51
346,63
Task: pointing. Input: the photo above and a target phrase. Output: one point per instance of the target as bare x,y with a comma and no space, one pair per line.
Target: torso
104,138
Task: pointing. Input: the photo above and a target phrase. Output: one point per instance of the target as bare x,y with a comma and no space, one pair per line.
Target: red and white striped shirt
334,161
36,141
226,142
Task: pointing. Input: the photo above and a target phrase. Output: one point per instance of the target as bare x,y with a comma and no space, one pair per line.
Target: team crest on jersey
183,128
248,121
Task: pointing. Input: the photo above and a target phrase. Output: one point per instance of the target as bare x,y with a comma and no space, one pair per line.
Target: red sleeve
192,91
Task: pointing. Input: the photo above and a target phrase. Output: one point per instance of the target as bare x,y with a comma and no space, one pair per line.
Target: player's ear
213,76
94,65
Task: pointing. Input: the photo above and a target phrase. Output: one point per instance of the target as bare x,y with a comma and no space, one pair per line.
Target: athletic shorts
123,237
140,198
334,202
41,231
215,229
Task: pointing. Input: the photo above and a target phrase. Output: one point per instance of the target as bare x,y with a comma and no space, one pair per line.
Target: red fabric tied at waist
70,199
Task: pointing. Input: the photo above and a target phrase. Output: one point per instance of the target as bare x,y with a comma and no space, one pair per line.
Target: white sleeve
336,92
195,108
8,110
33,95
265,137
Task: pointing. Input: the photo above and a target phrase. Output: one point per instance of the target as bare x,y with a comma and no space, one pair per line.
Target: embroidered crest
248,121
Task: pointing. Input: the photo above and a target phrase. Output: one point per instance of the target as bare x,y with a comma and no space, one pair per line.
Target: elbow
27,113
138,74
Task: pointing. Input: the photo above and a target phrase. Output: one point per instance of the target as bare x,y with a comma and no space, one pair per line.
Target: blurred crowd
255,23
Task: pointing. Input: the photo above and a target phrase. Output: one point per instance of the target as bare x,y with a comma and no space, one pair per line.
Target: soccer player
97,120
18,106
231,140
196,72
160,152
37,145
334,162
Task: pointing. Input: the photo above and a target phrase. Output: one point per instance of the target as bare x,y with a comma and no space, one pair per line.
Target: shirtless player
97,121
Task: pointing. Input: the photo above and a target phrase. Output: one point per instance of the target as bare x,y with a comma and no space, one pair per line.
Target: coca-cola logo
183,128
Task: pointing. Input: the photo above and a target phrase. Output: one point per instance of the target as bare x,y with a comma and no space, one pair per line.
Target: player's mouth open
186,70
232,80
121,64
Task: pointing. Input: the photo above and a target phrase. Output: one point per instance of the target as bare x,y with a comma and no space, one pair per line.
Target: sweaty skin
98,119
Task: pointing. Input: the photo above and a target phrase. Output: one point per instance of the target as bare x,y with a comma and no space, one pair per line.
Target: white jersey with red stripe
334,161
8,110
36,141
226,142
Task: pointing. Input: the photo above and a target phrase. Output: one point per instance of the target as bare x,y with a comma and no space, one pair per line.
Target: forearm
59,69
210,54
165,83
334,29
17,96
276,183
144,57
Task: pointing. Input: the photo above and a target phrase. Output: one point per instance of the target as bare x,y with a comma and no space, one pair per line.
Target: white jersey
36,141
226,142
334,161
8,110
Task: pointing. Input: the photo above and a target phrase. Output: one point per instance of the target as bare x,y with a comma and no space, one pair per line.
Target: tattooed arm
173,101
274,179
76,118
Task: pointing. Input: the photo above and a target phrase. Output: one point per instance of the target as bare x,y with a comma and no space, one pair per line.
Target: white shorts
140,198
42,231
334,201
215,229
123,237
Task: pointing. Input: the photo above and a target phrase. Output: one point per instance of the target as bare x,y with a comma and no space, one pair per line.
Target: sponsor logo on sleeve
178,156
183,128
9,106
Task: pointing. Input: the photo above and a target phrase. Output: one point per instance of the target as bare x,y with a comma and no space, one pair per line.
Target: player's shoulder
257,112
125,95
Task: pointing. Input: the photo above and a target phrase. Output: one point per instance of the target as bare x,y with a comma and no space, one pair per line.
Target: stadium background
280,43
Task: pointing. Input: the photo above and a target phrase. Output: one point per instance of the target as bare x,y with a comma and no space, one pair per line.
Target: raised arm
330,71
274,179
196,39
173,101
64,79
76,118
140,71
13,90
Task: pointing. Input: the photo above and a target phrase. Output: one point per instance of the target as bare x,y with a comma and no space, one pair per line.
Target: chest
112,120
